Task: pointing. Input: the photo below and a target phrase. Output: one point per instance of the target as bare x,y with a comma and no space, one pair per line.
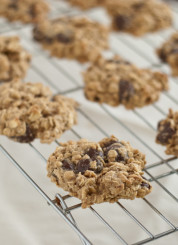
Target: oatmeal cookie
116,81
99,172
83,4
29,111
14,59
139,16
168,53
72,37
168,133
27,11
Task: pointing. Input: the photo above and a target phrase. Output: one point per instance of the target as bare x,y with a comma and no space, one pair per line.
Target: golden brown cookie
139,16
27,11
99,172
14,59
116,81
168,53
72,38
168,133
29,111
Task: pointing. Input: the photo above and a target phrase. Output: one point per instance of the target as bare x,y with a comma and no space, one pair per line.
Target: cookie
86,4
14,59
29,111
27,11
116,81
138,17
72,38
99,172
168,53
168,133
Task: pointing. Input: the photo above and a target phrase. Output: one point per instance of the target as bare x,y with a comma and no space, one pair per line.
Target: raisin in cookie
168,53
116,81
72,37
29,111
86,4
27,11
139,16
168,133
14,59
99,172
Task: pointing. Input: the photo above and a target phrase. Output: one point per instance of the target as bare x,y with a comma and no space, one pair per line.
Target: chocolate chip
67,165
27,137
122,22
48,40
163,56
32,11
126,90
138,6
13,6
175,41
93,153
64,37
119,157
37,35
114,146
82,166
174,51
111,147
96,98
165,133
144,184
99,166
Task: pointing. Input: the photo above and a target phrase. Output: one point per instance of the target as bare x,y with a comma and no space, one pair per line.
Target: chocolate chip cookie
72,37
99,172
116,81
29,111
139,16
168,133
168,53
86,4
27,11
14,59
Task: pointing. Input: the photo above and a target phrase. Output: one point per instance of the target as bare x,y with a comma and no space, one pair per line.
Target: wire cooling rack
152,217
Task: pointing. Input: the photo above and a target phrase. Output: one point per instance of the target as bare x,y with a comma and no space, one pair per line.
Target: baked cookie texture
86,4
99,172
14,59
168,133
27,11
168,53
29,111
72,38
116,81
138,17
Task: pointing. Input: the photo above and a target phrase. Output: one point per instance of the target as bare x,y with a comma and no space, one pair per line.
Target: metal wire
59,204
